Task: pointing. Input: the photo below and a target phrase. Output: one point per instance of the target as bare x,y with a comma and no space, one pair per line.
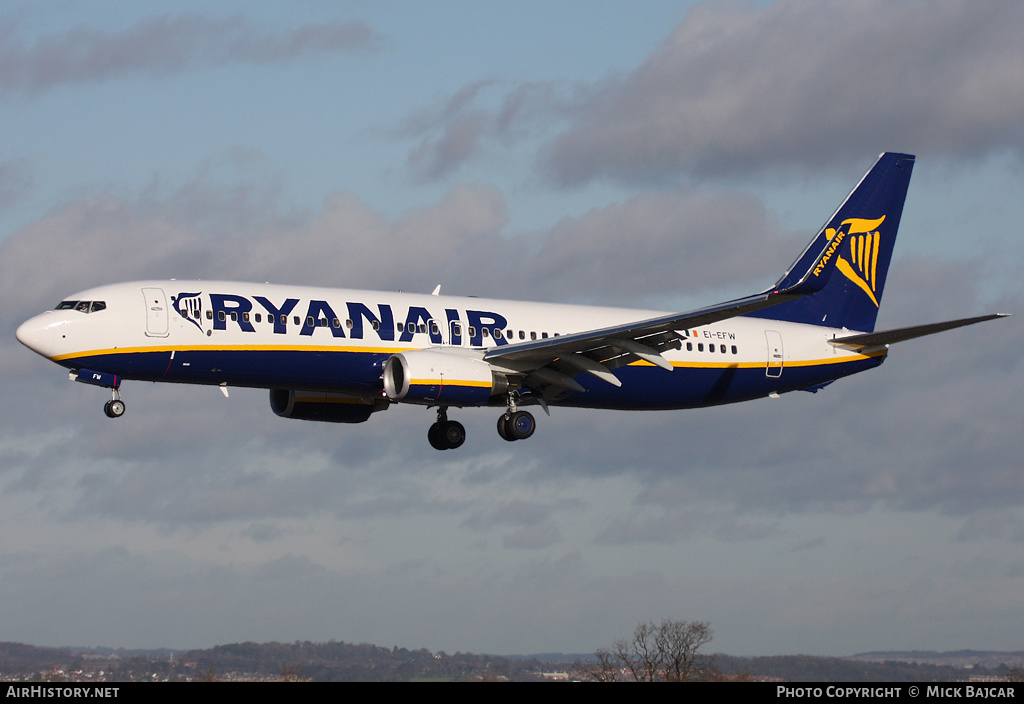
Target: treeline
341,661
301,660
808,668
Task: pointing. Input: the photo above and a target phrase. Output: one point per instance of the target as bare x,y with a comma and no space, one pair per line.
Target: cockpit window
82,306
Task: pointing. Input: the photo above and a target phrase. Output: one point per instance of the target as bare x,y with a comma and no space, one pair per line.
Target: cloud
740,88
15,180
165,45
944,437
204,230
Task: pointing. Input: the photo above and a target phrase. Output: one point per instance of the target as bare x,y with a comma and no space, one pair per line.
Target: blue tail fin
857,241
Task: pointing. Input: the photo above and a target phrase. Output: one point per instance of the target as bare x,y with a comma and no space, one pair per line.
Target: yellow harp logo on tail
859,262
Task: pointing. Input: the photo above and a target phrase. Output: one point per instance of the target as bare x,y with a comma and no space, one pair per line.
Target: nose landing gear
114,408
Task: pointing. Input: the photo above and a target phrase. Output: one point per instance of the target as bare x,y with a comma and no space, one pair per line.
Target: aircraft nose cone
36,335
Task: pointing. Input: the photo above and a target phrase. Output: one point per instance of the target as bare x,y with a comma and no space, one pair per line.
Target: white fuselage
337,340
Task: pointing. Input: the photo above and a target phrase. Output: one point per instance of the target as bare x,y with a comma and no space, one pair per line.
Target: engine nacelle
426,376
322,406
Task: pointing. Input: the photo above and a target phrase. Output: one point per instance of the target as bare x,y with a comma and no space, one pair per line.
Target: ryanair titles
351,319
829,251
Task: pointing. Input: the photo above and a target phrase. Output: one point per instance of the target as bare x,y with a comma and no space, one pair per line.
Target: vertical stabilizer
857,242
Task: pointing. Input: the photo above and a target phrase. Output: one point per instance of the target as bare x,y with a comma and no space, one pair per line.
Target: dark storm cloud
164,45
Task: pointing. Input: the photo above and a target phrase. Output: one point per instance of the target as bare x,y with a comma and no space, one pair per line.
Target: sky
665,155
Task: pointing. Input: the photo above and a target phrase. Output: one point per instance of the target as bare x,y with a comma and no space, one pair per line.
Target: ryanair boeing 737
341,355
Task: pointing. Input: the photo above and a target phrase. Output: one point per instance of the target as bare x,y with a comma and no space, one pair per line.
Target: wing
550,364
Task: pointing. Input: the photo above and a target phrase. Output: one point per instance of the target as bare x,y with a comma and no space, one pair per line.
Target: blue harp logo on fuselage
190,307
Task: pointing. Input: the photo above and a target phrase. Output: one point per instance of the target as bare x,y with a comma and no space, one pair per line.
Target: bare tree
668,652
604,668
680,642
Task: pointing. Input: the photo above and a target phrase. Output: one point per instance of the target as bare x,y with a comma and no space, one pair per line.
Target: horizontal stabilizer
888,337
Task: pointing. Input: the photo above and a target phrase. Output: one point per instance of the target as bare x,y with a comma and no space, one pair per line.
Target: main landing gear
449,434
114,408
446,434
515,424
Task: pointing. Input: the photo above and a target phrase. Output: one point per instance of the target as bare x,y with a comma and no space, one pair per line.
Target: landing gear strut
446,434
114,408
515,424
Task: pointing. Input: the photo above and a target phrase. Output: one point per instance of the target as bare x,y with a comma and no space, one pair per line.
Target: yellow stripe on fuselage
396,350
232,348
762,365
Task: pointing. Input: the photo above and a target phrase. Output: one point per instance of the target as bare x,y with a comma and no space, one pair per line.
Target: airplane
341,355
